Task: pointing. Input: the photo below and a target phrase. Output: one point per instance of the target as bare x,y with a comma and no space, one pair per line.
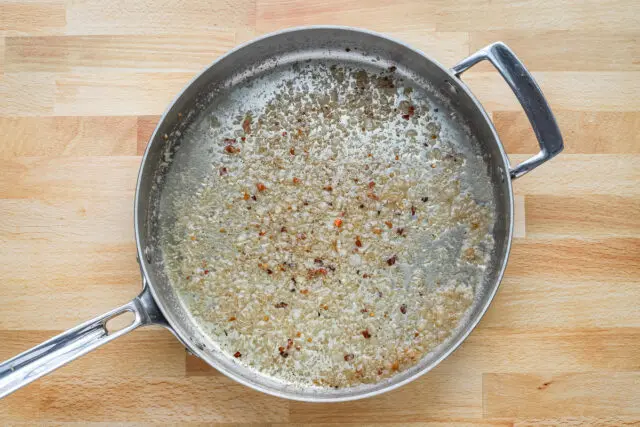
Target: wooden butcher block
82,85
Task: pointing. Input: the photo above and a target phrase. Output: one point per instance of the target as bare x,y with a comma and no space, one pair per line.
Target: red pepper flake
403,309
328,188
364,310
366,334
246,124
392,260
373,196
232,319
253,197
298,334
380,371
395,366
292,151
289,343
410,112
348,357
304,291
281,305
358,242
283,229
325,307
282,351
366,276
206,272
388,224
284,133
337,222
188,277
223,171
372,184
243,138
260,186
237,354
377,231
397,157
246,196
231,149
262,233
269,271
296,180
400,231
413,210
315,272
416,335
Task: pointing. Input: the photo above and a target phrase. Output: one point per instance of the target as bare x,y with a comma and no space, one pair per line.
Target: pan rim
286,394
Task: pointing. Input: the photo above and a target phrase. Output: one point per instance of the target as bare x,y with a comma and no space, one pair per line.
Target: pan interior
205,128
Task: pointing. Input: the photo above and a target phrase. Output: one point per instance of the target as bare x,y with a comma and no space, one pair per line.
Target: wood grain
581,394
86,17
116,52
564,50
378,15
584,132
35,17
491,15
532,303
569,90
82,86
68,136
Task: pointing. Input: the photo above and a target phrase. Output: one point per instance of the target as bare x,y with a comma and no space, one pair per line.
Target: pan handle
62,349
530,96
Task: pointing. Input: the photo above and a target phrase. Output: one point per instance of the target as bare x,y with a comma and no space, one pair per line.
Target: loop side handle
62,349
530,96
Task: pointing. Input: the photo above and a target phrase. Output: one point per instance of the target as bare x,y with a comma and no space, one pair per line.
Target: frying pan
159,304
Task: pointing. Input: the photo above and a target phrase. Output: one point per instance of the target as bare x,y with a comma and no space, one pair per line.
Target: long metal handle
530,96
62,349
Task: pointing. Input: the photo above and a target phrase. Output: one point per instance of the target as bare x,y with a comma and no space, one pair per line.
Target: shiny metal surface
159,304
530,96
62,349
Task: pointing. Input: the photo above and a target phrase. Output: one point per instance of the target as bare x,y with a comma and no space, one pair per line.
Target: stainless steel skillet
159,304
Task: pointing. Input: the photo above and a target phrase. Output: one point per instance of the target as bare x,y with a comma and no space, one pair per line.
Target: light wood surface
82,84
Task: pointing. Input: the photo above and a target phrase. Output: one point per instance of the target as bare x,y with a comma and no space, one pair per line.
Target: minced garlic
340,242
